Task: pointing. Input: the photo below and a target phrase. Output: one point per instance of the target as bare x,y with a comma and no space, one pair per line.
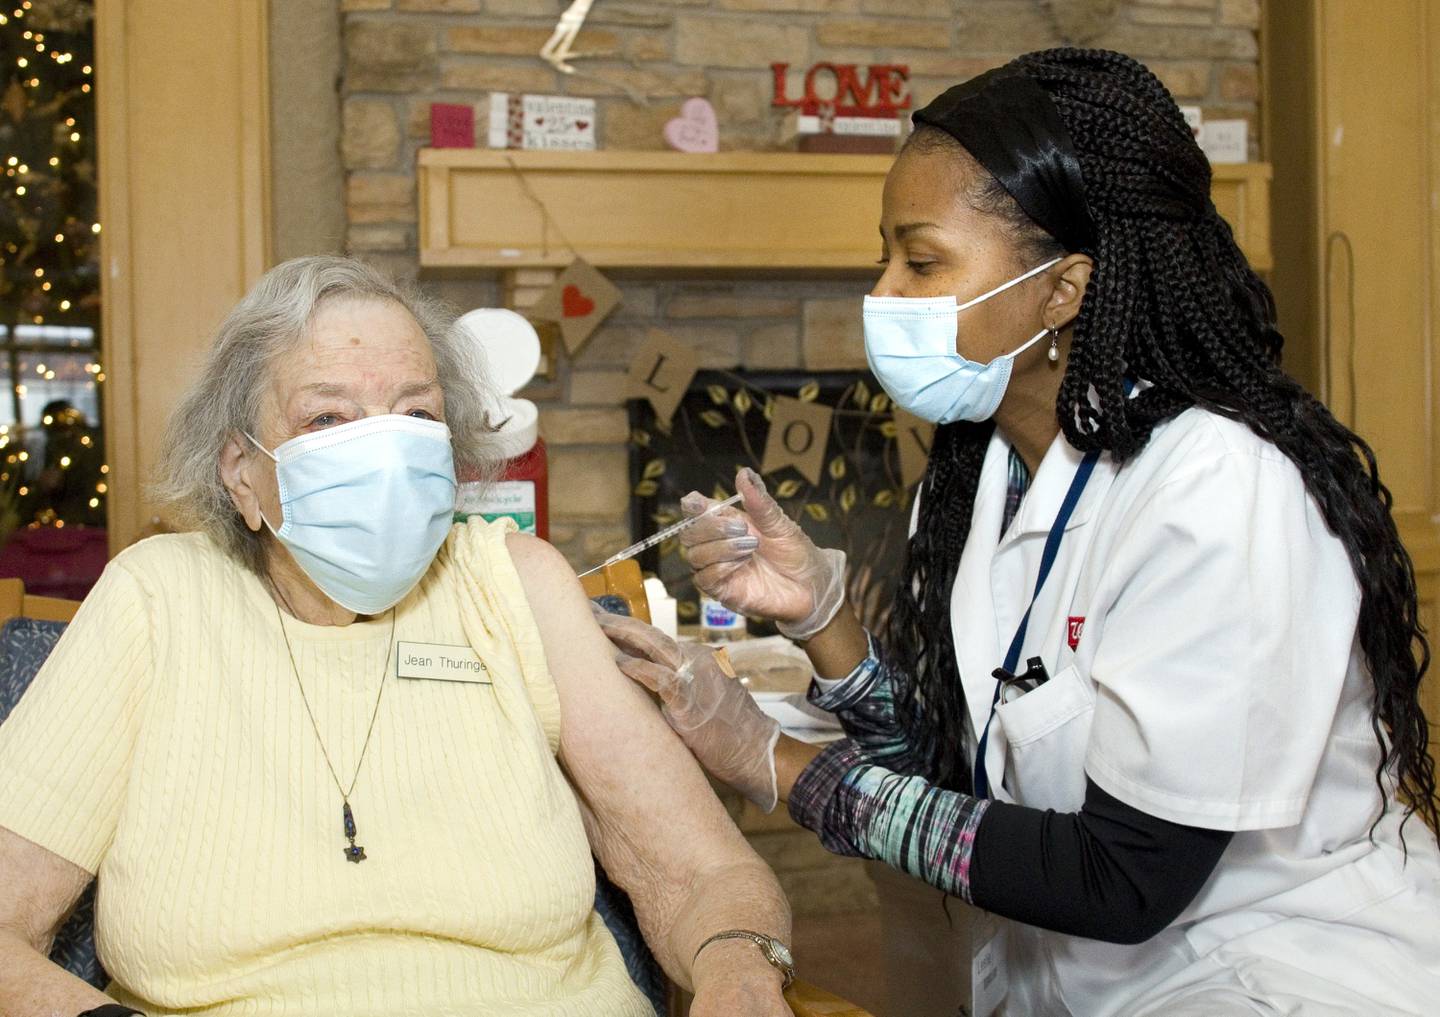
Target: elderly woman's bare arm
653,820
37,890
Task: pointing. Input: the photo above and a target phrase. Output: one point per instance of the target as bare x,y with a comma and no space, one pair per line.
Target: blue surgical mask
910,344
366,506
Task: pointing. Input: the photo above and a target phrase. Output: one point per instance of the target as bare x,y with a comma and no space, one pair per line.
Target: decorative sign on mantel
838,103
541,122
883,93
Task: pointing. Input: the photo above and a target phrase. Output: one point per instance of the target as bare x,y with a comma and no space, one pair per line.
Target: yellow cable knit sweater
165,747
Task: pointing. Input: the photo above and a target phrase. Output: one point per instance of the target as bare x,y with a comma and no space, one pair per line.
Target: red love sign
574,304
881,93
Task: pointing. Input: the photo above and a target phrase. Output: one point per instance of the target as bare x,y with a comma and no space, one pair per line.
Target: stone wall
402,55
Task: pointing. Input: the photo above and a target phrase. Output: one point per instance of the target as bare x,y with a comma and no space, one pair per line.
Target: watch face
782,952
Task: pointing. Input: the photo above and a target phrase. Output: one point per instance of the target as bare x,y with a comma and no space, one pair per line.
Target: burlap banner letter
799,436
661,372
914,437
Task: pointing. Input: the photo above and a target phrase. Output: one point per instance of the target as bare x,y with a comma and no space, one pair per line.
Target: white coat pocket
1046,731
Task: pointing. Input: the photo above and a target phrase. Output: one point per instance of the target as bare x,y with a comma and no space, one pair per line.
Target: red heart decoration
539,120
575,304
582,124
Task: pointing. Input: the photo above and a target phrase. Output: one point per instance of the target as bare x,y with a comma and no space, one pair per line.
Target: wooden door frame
182,88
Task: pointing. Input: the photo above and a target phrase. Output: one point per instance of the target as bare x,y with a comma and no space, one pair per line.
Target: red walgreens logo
1073,629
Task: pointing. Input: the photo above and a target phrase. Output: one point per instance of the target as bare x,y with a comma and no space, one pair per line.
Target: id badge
441,662
989,968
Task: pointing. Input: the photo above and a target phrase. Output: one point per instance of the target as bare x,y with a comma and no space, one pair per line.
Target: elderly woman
333,754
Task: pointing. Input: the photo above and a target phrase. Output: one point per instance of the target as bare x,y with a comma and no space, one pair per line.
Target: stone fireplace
797,312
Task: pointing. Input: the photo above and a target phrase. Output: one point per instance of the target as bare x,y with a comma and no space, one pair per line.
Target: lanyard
1047,561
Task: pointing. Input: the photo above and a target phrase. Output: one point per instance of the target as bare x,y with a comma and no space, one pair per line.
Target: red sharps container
511,351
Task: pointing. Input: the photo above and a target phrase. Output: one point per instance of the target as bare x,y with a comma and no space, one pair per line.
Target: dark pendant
354,853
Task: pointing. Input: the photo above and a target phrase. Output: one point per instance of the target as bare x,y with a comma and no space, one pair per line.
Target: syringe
664,534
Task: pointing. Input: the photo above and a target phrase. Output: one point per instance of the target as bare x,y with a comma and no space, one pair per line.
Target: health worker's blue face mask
910,344
366,506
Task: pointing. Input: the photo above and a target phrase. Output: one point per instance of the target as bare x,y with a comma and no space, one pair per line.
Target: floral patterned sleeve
864,703
860,808
867,796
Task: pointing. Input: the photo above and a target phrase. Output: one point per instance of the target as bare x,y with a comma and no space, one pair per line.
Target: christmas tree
49,248
48,261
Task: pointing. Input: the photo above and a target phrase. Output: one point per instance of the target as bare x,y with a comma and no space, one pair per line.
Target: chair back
15,602
33,626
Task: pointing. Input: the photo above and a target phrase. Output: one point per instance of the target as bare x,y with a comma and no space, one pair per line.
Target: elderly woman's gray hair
226,399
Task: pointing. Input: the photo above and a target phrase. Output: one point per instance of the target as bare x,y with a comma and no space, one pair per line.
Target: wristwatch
774,951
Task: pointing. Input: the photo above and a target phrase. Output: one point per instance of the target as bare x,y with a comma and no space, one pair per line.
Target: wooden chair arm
16,603
621,580
807,1000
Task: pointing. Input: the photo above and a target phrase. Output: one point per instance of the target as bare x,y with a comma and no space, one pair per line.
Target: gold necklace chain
355,852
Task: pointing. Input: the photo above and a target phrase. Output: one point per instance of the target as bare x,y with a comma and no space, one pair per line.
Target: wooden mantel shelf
729,210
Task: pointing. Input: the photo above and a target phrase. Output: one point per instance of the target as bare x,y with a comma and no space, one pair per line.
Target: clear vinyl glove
703,702
760,562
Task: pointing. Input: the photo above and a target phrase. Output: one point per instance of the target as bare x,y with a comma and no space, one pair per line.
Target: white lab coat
1216,681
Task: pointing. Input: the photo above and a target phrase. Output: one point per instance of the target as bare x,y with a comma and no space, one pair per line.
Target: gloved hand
760,562
708,707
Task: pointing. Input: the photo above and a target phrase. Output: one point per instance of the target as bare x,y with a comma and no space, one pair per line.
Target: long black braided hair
1171,300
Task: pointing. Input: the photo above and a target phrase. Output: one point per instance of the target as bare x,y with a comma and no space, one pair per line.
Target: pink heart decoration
695,129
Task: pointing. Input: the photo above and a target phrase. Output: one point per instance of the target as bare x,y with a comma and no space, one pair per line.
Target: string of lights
52,473
48,262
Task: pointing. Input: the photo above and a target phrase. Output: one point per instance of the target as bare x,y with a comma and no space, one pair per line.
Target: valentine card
541,122
580,299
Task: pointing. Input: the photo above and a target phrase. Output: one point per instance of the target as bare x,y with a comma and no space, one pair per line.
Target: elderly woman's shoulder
545,576
169,557
537,562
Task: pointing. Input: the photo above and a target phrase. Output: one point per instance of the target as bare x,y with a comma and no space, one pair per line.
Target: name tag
989,972
442,662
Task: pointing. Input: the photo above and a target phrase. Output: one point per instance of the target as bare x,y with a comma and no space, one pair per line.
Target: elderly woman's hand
732,1000
707,707
732,979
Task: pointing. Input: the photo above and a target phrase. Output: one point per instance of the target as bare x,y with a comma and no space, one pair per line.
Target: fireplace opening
858,503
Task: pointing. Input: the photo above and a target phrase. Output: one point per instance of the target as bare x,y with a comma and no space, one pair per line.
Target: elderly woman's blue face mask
366,506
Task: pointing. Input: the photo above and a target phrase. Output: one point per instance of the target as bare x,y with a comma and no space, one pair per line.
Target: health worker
1148,689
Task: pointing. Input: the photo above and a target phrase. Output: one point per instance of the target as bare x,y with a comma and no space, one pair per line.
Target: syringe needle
665,534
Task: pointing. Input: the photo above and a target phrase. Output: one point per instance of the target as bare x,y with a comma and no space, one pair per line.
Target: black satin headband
1012,128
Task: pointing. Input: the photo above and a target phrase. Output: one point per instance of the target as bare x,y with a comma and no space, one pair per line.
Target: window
53,475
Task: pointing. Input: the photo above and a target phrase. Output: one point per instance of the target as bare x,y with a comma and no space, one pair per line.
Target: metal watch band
776,953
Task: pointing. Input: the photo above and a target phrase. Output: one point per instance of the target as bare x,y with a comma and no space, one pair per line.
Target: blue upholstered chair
24,645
